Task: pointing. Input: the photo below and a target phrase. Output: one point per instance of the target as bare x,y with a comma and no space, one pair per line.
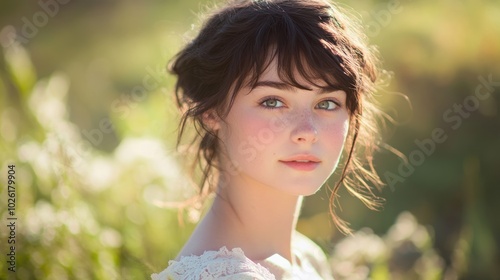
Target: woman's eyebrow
288,87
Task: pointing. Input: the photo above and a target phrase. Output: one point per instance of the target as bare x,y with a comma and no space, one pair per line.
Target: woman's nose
305,128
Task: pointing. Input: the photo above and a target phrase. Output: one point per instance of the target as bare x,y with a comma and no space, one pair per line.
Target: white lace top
222,264
233,264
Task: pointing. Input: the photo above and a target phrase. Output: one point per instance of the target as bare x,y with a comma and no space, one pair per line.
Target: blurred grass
87,117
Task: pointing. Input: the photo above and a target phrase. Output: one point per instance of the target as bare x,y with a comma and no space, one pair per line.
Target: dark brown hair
309,37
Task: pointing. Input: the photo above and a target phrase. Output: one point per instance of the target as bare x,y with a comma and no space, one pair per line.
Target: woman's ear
211,119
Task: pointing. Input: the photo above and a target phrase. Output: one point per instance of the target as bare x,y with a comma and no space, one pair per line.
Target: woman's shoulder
313,254
224,263
307,247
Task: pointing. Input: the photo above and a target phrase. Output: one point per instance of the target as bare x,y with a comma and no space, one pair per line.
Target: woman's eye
272,103
327,105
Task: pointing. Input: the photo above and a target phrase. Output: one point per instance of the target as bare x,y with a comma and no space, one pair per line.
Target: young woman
280,92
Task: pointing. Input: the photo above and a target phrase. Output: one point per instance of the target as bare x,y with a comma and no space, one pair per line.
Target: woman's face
283,137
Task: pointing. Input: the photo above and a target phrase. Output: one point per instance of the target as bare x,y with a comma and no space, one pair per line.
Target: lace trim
222,264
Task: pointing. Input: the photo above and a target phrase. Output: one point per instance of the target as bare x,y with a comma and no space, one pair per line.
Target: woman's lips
302,162
301,165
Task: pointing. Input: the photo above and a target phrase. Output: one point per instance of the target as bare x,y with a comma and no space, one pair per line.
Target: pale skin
258,202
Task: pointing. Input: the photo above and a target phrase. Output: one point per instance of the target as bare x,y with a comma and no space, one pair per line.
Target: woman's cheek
338,133
250,134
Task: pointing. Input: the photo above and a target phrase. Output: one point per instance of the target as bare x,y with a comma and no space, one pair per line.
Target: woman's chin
302,190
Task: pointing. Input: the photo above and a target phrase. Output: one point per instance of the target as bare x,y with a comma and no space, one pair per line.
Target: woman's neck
259,219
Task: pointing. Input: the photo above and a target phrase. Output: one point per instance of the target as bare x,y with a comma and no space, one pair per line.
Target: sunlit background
88,120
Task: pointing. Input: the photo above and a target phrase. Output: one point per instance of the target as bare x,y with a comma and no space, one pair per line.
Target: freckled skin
256,138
